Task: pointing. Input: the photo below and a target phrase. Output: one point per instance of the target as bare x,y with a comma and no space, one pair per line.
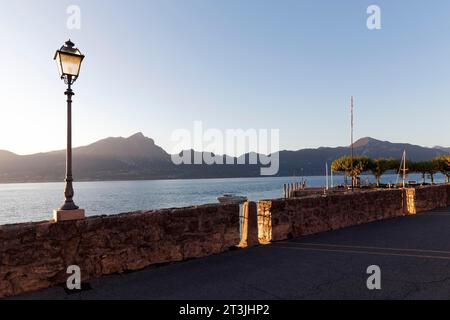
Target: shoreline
437,177
165,179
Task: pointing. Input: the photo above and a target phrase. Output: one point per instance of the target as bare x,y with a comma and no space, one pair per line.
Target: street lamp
69,61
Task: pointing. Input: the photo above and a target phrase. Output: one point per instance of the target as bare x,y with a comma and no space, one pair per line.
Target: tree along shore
380,166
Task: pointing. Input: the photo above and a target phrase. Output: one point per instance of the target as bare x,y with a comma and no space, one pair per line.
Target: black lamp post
69,61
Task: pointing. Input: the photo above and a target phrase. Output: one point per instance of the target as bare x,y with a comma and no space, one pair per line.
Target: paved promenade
412,252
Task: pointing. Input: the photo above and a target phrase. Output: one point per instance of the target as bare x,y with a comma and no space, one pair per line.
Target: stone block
68,215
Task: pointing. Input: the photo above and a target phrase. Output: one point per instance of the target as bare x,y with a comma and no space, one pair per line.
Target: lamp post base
68,215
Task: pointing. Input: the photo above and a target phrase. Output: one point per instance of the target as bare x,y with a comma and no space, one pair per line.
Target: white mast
326,172
332,182
402,170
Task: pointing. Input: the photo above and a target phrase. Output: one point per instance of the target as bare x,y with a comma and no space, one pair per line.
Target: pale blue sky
156,66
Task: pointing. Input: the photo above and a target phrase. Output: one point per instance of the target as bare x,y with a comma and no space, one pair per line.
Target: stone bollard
409,203
250,227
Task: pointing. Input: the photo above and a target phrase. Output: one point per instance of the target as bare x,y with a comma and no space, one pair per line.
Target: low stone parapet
283,219
36,255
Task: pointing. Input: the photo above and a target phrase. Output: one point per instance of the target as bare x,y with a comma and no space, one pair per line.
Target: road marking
367,252
366,247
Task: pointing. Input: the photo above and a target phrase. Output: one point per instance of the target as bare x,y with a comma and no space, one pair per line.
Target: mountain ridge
138,157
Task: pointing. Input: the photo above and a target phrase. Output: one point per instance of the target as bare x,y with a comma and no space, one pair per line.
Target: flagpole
351,146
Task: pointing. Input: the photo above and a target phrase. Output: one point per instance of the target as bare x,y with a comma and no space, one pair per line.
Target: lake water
36,201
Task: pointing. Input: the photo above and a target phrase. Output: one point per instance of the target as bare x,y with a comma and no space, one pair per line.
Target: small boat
231,198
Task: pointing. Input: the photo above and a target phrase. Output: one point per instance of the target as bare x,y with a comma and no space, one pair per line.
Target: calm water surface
35,202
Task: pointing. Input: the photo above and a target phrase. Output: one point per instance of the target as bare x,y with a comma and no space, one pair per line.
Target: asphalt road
413,254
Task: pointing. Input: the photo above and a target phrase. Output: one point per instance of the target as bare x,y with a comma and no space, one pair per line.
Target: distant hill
312,160
442,149
135,147
375,148
138,157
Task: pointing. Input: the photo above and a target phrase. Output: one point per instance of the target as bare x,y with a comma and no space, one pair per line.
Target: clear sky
157,65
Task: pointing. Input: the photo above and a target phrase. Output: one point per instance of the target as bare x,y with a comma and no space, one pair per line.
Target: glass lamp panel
58,63
70,64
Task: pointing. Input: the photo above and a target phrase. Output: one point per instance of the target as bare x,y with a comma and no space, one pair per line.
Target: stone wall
287,218
249,234
36,255
429,198
317,191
